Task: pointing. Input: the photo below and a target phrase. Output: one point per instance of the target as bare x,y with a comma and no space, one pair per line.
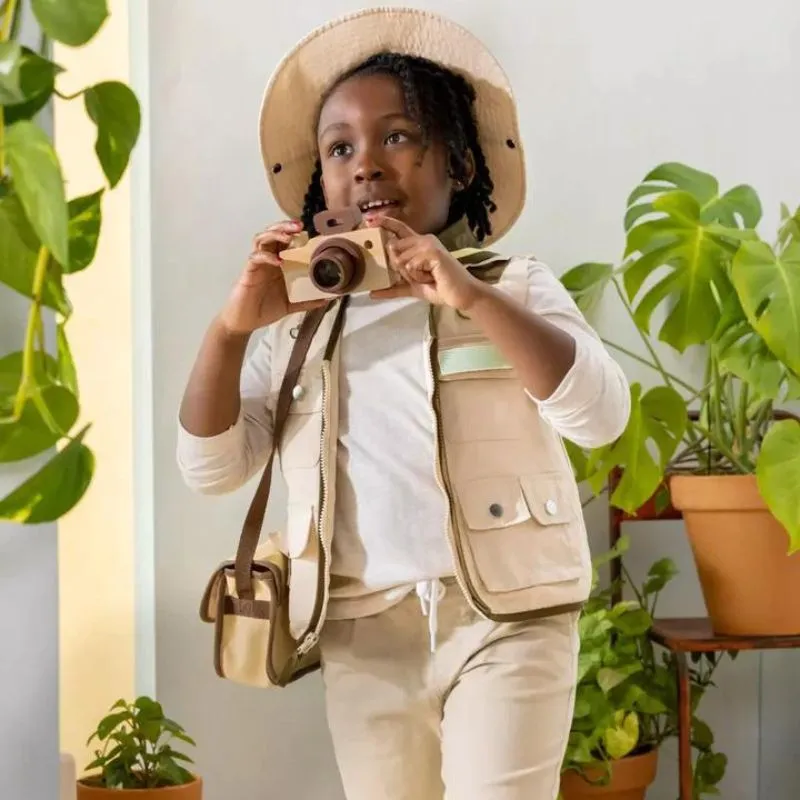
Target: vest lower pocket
521,531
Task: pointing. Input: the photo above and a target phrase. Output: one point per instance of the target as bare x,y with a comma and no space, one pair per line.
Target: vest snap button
551,507
496,510
298,392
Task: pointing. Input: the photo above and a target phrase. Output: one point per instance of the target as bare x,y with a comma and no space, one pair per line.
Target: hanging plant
45,237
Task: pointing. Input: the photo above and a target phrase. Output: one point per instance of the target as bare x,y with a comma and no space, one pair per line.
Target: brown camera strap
251,530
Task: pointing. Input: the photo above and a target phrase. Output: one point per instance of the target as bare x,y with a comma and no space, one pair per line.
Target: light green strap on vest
473,357
470,358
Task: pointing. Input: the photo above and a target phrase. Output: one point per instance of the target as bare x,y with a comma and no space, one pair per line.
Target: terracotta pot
630,779
188,791
750,585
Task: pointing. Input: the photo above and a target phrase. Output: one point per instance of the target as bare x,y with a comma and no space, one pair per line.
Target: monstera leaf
741,351
778,475
768,286
587,283
683,233
657,422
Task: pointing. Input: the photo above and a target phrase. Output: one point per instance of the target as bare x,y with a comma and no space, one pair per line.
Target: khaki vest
515,529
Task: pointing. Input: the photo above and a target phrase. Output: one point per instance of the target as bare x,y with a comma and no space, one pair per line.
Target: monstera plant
45,237
697,278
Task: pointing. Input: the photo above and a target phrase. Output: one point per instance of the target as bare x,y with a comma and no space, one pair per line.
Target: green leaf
778,476
739,207
27,81
179,756
685,249
621,739
609,678
85,219
769,290
702,735
113,107
659,417
579,460
38,182
31,434
172,773
790,227
702,185
55,489
177,731
587,284
110,723
634,623
587,661
19,249
710,769
73,23
659,575
149,708
67,373
11,91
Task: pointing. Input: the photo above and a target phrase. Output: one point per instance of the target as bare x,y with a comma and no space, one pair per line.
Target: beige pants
484,717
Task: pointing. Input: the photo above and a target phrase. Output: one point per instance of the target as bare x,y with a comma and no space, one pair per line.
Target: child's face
371,150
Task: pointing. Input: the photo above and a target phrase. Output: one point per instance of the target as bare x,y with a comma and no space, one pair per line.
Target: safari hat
290,104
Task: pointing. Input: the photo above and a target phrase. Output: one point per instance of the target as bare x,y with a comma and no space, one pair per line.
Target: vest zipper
311,636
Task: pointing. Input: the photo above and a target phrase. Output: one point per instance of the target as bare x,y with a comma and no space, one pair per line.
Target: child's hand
429,271
259,297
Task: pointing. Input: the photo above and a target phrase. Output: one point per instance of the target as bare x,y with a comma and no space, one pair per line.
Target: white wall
28,605
607,90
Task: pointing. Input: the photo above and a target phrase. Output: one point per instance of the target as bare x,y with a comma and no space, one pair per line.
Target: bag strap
251,530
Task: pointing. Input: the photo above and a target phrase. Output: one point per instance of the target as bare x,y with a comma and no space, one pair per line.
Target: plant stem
34,323
666,375
656,360
69,96
2,144
8,20
741,419
724,449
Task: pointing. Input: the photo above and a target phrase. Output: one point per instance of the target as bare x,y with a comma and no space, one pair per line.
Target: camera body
346,259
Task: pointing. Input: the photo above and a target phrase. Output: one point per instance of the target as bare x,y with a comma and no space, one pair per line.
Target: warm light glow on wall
96,541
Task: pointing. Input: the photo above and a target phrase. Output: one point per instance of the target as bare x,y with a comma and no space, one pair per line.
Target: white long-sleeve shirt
390,512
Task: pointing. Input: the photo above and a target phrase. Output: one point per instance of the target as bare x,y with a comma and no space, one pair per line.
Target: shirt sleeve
225,462
592,404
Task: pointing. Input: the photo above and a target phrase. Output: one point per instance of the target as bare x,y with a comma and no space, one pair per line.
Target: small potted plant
135,754
698,279
626,699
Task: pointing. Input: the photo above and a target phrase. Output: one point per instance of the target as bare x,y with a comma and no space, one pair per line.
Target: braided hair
442,103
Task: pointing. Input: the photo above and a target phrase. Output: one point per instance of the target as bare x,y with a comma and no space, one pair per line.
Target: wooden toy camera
343,259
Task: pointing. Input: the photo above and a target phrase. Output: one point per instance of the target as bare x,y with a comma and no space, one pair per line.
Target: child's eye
339,150
397,137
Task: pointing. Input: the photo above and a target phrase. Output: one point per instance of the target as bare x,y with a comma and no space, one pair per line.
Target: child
426,455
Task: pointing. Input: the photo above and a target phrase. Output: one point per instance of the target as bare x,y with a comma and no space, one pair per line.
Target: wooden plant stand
682,636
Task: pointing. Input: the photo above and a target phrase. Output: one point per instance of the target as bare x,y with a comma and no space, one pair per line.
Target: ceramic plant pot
751,587
86,790
630,779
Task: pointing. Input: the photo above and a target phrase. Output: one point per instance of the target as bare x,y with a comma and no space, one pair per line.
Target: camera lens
328,274
337,266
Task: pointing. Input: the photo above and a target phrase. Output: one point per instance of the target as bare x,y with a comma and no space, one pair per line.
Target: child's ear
460,186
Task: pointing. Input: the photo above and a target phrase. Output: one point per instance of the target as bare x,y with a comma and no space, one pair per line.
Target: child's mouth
373,210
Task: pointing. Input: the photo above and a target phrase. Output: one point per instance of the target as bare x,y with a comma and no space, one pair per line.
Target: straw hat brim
290,103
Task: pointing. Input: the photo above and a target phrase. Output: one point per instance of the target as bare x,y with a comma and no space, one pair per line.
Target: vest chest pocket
299,447
522,531
481,399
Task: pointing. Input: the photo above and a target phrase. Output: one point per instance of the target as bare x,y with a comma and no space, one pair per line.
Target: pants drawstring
430,593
